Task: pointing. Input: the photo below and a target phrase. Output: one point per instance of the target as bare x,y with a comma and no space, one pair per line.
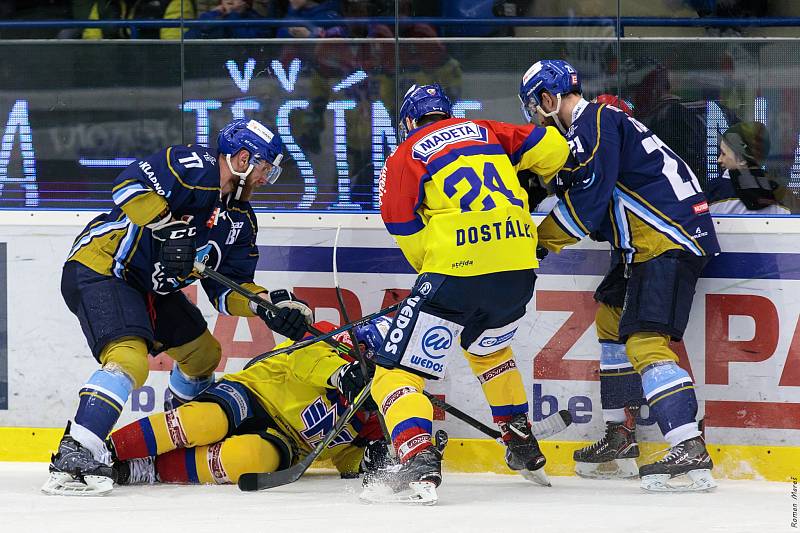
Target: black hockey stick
320,336
356,348
268,480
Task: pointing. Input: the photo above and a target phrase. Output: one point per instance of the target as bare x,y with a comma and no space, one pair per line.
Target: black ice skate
414,481
75,472
136,471
688,457
522,450
613,456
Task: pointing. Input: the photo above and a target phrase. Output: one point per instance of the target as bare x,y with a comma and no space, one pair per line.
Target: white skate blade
418,493
616,469
536,476
64,484
699,481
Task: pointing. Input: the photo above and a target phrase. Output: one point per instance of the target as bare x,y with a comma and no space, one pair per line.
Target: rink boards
742,345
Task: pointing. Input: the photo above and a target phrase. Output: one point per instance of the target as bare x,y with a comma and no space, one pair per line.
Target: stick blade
253,481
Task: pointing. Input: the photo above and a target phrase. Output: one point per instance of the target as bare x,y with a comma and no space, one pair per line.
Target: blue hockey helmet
373,333
552,75
421,100
258,140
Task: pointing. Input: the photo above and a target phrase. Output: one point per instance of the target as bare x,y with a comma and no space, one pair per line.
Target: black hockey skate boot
522,450
75,472
689,457
614,455
136,471
414,481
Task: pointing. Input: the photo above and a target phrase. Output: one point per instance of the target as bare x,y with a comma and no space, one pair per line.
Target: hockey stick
356,349
267,480
320,336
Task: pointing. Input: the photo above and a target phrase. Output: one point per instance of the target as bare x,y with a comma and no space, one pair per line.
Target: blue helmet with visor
261,143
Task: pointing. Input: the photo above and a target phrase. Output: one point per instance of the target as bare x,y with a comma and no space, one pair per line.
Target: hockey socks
185,388
670,394
620,384
100,406
193,424
502,385
408,413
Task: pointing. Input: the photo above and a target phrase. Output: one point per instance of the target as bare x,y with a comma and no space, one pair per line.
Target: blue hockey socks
670,395
100,406
620,384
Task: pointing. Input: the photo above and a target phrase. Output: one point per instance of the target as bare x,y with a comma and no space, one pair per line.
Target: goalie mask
261,143
554,76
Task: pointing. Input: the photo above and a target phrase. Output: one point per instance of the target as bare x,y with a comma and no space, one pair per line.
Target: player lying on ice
451,199
123,276
261,419
624,186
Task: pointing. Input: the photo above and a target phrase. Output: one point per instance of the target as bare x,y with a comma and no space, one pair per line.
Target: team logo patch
424,148
488,342
437,341
175,429
496,371
574,78
700,208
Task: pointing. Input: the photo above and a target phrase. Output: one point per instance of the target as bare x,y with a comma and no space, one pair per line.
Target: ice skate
522,451
688,458
136,471
414,481
613,456
75,472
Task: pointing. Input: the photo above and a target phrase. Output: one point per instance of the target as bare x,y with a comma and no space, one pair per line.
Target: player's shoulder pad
195,165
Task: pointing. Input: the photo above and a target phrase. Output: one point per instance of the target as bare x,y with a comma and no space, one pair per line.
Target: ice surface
323,503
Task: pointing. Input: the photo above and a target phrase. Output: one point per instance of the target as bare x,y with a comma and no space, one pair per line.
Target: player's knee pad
199,357
606,322
245,453
646,347
128,354
193,424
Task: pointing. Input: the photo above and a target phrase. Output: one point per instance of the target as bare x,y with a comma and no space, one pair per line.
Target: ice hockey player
624,186
261,419
123,276
451,199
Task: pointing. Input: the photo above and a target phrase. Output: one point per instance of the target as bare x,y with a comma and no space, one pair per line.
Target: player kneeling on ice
261,419
451,198
123,277
624,186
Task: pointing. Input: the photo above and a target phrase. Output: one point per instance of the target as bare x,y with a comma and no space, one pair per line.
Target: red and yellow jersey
294,389
450,195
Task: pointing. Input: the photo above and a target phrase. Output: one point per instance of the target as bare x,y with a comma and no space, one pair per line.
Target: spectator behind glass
139,9
311,11
744,188
683,130
230,10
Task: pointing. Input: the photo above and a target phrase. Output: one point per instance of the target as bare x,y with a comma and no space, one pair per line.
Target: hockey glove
178,248
349,381
541,252
293,319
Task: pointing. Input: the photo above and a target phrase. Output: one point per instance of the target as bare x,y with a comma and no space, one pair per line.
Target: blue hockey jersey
628,188
184,181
